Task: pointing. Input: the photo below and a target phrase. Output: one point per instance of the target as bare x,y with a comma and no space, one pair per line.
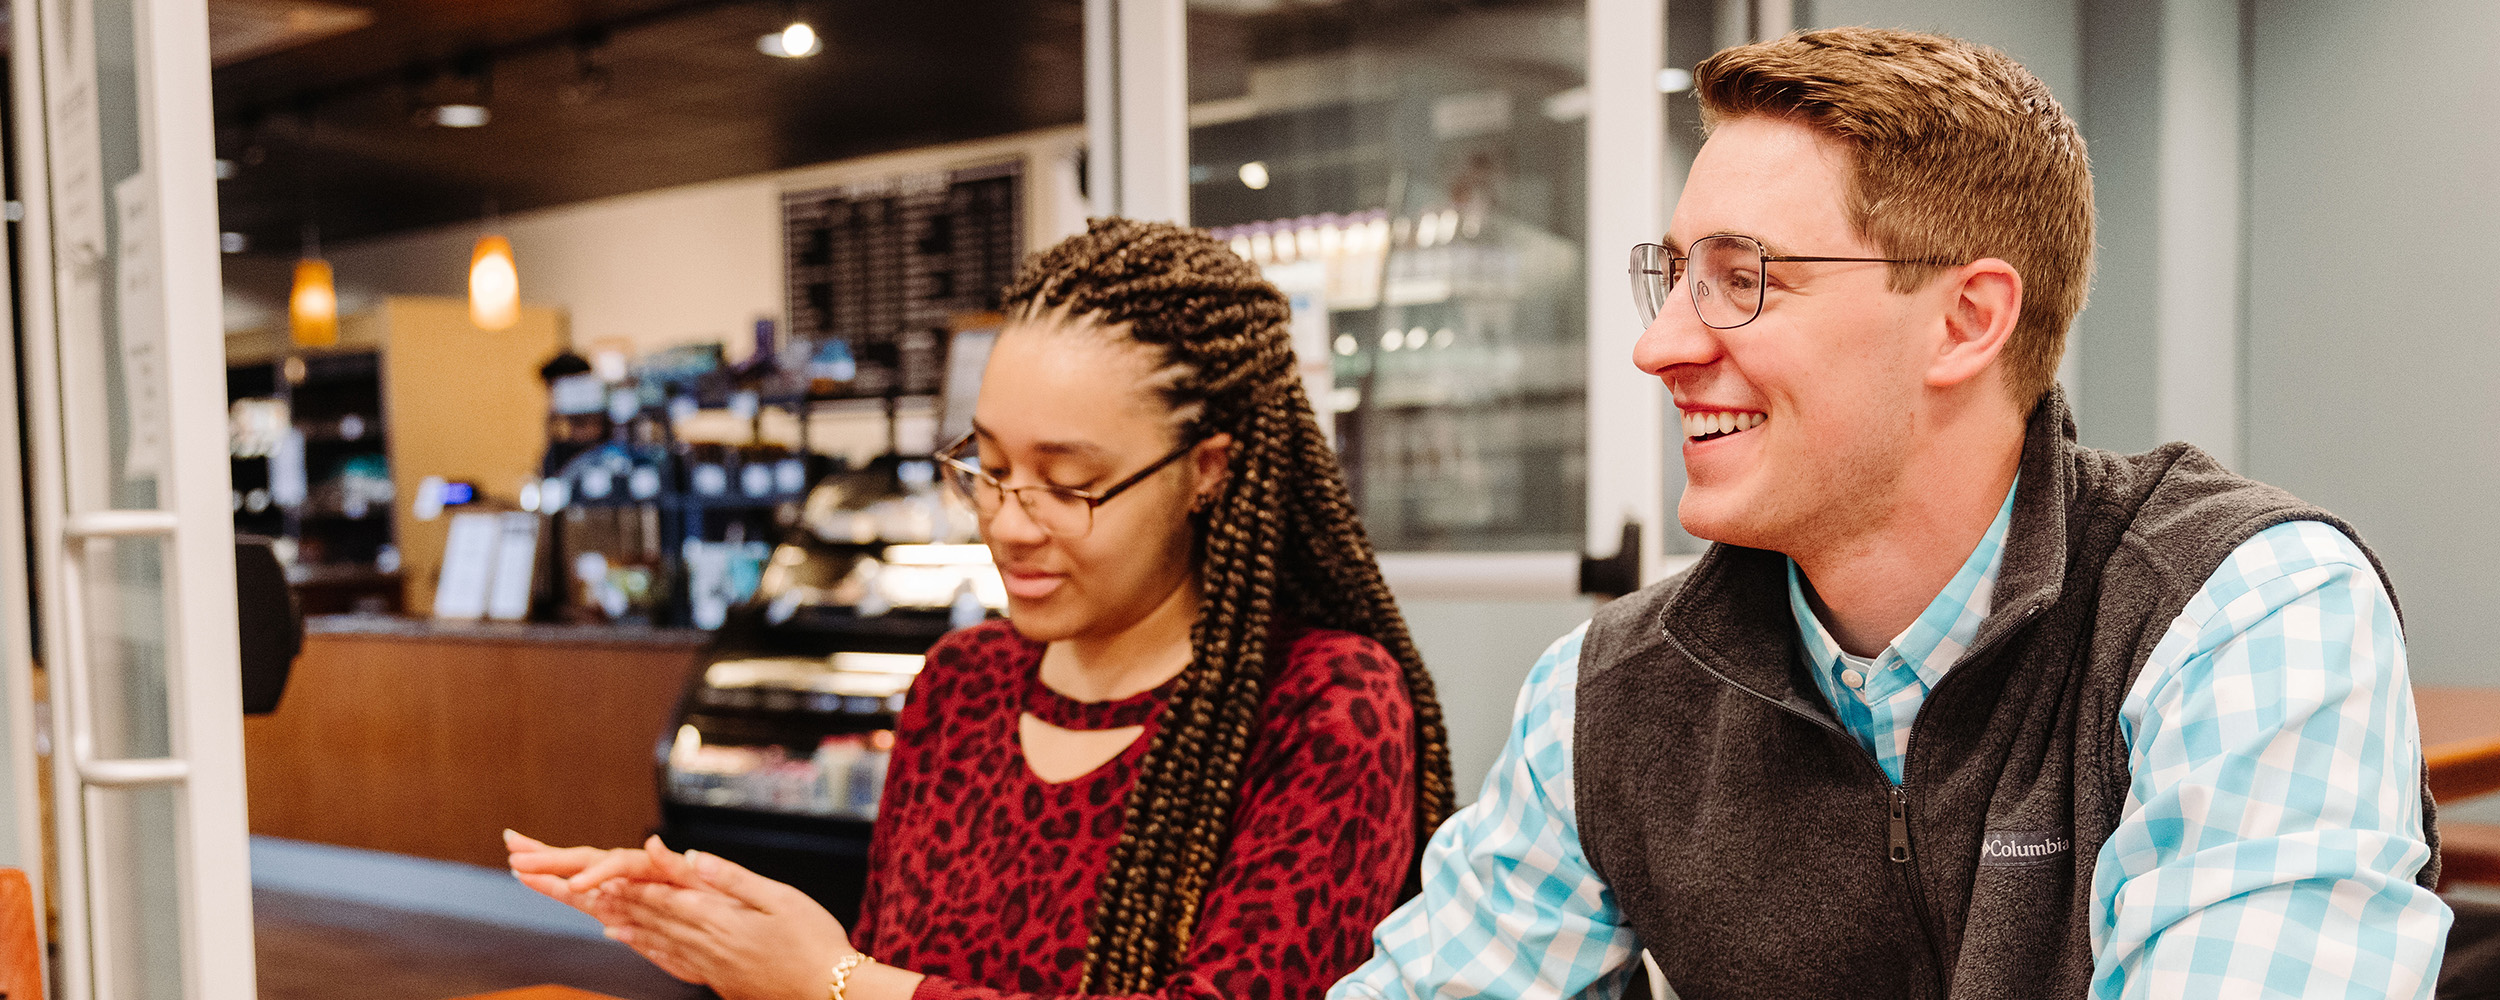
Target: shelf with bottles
311,470
1363,260
684,489
700,476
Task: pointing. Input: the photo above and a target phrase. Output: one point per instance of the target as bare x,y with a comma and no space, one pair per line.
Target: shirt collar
1940,634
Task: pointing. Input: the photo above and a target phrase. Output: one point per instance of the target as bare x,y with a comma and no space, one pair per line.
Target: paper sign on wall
139,298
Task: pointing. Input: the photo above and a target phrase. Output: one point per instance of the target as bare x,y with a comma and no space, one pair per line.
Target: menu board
878,268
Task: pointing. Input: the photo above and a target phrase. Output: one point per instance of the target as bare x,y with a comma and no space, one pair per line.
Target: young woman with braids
1198,759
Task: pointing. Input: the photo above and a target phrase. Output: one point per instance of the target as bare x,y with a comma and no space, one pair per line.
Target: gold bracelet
842,973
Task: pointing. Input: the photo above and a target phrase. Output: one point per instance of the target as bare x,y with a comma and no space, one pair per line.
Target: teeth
1698,425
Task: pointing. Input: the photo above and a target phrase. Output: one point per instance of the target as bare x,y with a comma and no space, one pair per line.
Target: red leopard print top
982,876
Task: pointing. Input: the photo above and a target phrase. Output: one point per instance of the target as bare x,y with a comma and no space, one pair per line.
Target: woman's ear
1209,463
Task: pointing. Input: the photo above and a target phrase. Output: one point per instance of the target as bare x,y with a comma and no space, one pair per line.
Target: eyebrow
1074,449
1678,249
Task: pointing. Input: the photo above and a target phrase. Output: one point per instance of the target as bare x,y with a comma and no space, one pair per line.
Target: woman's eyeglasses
1724,276
1062,511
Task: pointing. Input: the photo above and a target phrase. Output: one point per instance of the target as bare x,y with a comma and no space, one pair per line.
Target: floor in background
314,948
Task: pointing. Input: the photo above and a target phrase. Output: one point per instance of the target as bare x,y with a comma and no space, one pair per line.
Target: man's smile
1711,425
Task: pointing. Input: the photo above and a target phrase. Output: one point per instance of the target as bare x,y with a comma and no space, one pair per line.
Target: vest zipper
1900,825
1901,851
1915,887
1898,821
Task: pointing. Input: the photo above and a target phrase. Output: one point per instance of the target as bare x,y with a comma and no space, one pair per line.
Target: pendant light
312,309
494,283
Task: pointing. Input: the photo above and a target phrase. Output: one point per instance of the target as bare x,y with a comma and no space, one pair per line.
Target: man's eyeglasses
1723,275
1061,511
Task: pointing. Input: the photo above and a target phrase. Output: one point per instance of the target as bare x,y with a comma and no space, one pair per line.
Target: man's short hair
1961,154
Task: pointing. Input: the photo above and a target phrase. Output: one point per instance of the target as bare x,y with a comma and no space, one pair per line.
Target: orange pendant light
312,310
494,285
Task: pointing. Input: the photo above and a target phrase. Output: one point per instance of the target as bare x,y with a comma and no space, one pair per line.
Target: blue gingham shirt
2267,847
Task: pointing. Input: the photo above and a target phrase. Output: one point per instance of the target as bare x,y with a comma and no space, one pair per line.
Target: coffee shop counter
429,738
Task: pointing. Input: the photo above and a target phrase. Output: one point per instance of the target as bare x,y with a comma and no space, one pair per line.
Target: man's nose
1676,337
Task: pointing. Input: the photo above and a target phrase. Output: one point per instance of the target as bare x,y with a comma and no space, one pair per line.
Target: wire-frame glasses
1062,511
1723,275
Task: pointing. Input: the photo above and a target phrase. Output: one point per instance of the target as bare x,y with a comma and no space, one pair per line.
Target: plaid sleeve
2273,825
1510,907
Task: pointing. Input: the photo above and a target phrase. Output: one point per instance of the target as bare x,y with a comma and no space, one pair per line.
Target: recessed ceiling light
1254,175
461,115
798,41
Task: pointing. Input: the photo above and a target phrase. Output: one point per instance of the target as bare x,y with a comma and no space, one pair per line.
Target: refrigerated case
777,760
777,755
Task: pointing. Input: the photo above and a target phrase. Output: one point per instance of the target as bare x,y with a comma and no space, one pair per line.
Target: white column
1627,205
207,702
1773,19
2197,307
1137,108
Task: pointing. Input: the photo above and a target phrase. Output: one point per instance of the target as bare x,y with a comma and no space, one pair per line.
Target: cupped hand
573,875
744,935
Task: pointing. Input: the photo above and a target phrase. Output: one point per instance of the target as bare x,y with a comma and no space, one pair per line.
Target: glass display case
1413,175
778,754
733,751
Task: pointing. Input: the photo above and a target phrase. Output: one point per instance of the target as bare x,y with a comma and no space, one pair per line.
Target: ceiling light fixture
798,41
1254,175
464,102
462,115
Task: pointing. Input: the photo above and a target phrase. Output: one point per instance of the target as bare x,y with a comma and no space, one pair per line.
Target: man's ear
1209,463
1984,298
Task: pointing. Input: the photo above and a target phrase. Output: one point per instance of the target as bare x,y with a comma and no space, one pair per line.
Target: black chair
270,624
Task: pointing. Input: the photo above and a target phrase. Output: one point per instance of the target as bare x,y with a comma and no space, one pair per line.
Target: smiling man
1953,707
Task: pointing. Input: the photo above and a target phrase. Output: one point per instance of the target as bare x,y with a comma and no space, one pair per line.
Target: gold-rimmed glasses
1062,511
1724,275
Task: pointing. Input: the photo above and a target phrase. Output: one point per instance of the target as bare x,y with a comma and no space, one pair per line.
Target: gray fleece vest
1755,846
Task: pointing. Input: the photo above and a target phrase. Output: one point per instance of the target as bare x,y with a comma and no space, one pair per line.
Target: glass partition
1414,175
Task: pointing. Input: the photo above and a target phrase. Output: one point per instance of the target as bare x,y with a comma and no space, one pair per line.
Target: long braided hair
1279,543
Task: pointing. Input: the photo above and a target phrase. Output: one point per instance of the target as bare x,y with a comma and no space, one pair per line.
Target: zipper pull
1900,825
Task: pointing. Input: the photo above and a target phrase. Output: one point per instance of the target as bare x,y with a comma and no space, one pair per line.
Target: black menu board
881,267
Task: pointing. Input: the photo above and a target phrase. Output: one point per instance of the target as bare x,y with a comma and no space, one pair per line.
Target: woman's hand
550,869
744,935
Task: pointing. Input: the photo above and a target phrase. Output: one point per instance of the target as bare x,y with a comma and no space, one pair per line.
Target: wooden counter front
430,740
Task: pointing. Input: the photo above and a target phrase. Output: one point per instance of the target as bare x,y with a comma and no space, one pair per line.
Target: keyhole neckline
1086,716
